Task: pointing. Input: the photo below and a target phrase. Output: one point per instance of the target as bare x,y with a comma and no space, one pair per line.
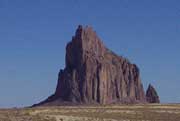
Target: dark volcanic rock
151,95
95,75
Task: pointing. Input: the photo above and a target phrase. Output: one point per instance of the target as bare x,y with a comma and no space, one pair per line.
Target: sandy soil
154,112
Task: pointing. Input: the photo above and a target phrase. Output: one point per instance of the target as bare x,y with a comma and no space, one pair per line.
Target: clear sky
34,33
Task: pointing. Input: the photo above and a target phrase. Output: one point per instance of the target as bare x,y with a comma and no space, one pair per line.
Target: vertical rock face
95,75
151,95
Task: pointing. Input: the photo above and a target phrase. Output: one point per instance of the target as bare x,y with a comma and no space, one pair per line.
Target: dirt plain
155,112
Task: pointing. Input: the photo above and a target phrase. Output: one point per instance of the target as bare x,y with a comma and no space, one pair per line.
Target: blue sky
34,33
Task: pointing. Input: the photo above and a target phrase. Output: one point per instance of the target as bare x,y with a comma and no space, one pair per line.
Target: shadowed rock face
151,95
95,75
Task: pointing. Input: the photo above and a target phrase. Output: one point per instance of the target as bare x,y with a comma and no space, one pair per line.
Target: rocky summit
93,74
151,95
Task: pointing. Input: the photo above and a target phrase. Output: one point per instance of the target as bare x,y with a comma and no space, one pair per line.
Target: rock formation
151,95
95,75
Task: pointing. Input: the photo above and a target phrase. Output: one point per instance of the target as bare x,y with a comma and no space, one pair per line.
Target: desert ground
155,112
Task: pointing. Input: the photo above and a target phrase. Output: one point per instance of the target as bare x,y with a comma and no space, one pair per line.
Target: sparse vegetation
94,113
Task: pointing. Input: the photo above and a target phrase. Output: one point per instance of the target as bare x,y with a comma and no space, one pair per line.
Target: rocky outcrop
151,95
95,75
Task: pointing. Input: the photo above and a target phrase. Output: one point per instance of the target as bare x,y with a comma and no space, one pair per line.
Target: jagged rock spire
151,95
95,75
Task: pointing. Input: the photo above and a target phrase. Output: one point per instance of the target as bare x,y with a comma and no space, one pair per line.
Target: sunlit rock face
95,75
